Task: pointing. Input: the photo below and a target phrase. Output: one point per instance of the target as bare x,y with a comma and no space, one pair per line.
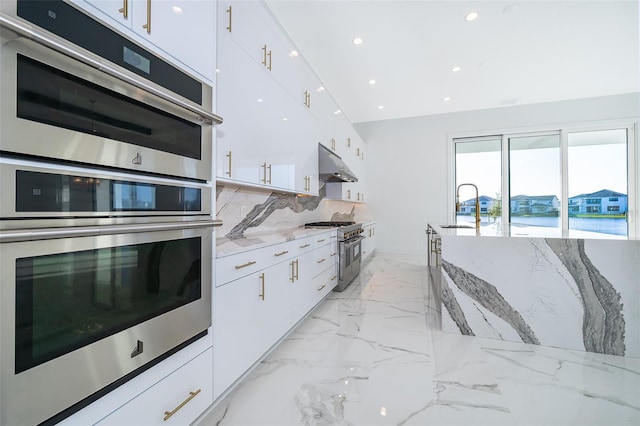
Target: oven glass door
51,96
68,300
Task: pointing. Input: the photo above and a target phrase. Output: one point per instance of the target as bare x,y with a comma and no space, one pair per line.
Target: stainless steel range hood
331,168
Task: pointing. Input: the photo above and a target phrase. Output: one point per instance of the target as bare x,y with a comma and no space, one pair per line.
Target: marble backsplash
247,211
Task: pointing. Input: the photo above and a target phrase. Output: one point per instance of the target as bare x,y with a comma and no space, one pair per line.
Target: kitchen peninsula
535,285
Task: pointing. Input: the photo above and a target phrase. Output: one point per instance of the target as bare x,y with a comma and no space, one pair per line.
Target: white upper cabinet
268,138
183,29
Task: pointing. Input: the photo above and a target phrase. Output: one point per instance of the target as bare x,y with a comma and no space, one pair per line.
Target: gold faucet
477,202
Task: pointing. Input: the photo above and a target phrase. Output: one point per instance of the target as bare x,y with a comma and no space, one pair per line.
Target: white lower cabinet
369,242
177,399
253,312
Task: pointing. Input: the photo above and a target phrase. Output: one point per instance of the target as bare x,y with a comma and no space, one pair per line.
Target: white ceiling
514,53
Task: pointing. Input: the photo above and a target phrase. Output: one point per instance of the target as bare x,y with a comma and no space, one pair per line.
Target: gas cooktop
330,224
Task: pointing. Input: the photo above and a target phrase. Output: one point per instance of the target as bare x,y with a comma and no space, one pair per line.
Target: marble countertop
516,230
226,246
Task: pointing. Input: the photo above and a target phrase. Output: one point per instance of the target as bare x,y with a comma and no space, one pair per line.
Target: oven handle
353,241
70,50
13,236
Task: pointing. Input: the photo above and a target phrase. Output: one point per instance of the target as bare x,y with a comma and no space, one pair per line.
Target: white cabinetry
352,153
261,294
270,134
181,29
369,243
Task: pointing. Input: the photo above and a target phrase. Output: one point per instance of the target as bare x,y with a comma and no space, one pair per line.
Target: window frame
633,163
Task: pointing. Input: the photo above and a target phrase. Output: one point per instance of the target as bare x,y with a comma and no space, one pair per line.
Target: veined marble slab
567,293
250,241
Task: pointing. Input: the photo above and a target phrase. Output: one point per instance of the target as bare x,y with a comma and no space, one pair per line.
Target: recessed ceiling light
293,53
285,119
177,10
372,82
471,16
357,41
259,99
217,70
456,69
336,112
320,89
380,106
446,98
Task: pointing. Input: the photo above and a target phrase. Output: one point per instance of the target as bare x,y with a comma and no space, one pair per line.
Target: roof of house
602,193
533,197
482,198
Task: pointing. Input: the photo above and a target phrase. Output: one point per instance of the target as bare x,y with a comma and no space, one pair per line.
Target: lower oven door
350,257
79,313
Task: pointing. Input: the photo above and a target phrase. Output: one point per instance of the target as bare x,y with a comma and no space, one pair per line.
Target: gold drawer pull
281,253
321,260
321,287
175,410
333,277
333,254
249,263
334,236
321,240
305,246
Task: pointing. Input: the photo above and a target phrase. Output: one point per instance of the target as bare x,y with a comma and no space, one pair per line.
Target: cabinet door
192,383
250,315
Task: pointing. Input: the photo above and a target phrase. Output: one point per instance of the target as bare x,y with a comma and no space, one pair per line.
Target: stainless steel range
349,243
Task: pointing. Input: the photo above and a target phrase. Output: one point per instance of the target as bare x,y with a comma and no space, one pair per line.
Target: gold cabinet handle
192,395
322,260
293,271
333,277
348,142
333,144
324,239
358,152
264,173
261,295
229,11
297,268
281,253
306,98
269,55
348,194
269,168
229,157
318,289
334,253
305,246
125,9
334,236
249,263
362,155
147,26
264,55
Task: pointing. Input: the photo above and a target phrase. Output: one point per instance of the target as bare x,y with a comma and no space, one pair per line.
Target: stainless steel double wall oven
106,227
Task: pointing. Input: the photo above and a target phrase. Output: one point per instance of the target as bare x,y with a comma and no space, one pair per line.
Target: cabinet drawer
186,393
322,259
324,283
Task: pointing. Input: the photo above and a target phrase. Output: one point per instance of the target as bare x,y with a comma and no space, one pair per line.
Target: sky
537,171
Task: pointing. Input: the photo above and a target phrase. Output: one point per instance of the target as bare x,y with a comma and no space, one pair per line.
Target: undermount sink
456,226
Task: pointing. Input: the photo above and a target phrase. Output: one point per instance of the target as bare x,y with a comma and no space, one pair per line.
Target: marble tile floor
374,355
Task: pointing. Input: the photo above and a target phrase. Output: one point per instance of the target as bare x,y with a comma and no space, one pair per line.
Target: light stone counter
249,241
574,293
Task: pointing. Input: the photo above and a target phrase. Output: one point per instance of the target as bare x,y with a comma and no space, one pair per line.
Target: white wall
407,163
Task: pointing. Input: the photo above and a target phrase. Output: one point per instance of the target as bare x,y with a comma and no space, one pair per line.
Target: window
570,180
479,162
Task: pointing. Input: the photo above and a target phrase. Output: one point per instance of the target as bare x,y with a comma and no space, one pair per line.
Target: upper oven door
58,107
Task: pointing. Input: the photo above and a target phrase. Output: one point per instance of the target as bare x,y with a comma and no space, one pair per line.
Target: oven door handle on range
11,236
353,240
100,64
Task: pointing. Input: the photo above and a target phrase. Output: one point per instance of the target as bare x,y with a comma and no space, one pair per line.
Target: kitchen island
576,291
